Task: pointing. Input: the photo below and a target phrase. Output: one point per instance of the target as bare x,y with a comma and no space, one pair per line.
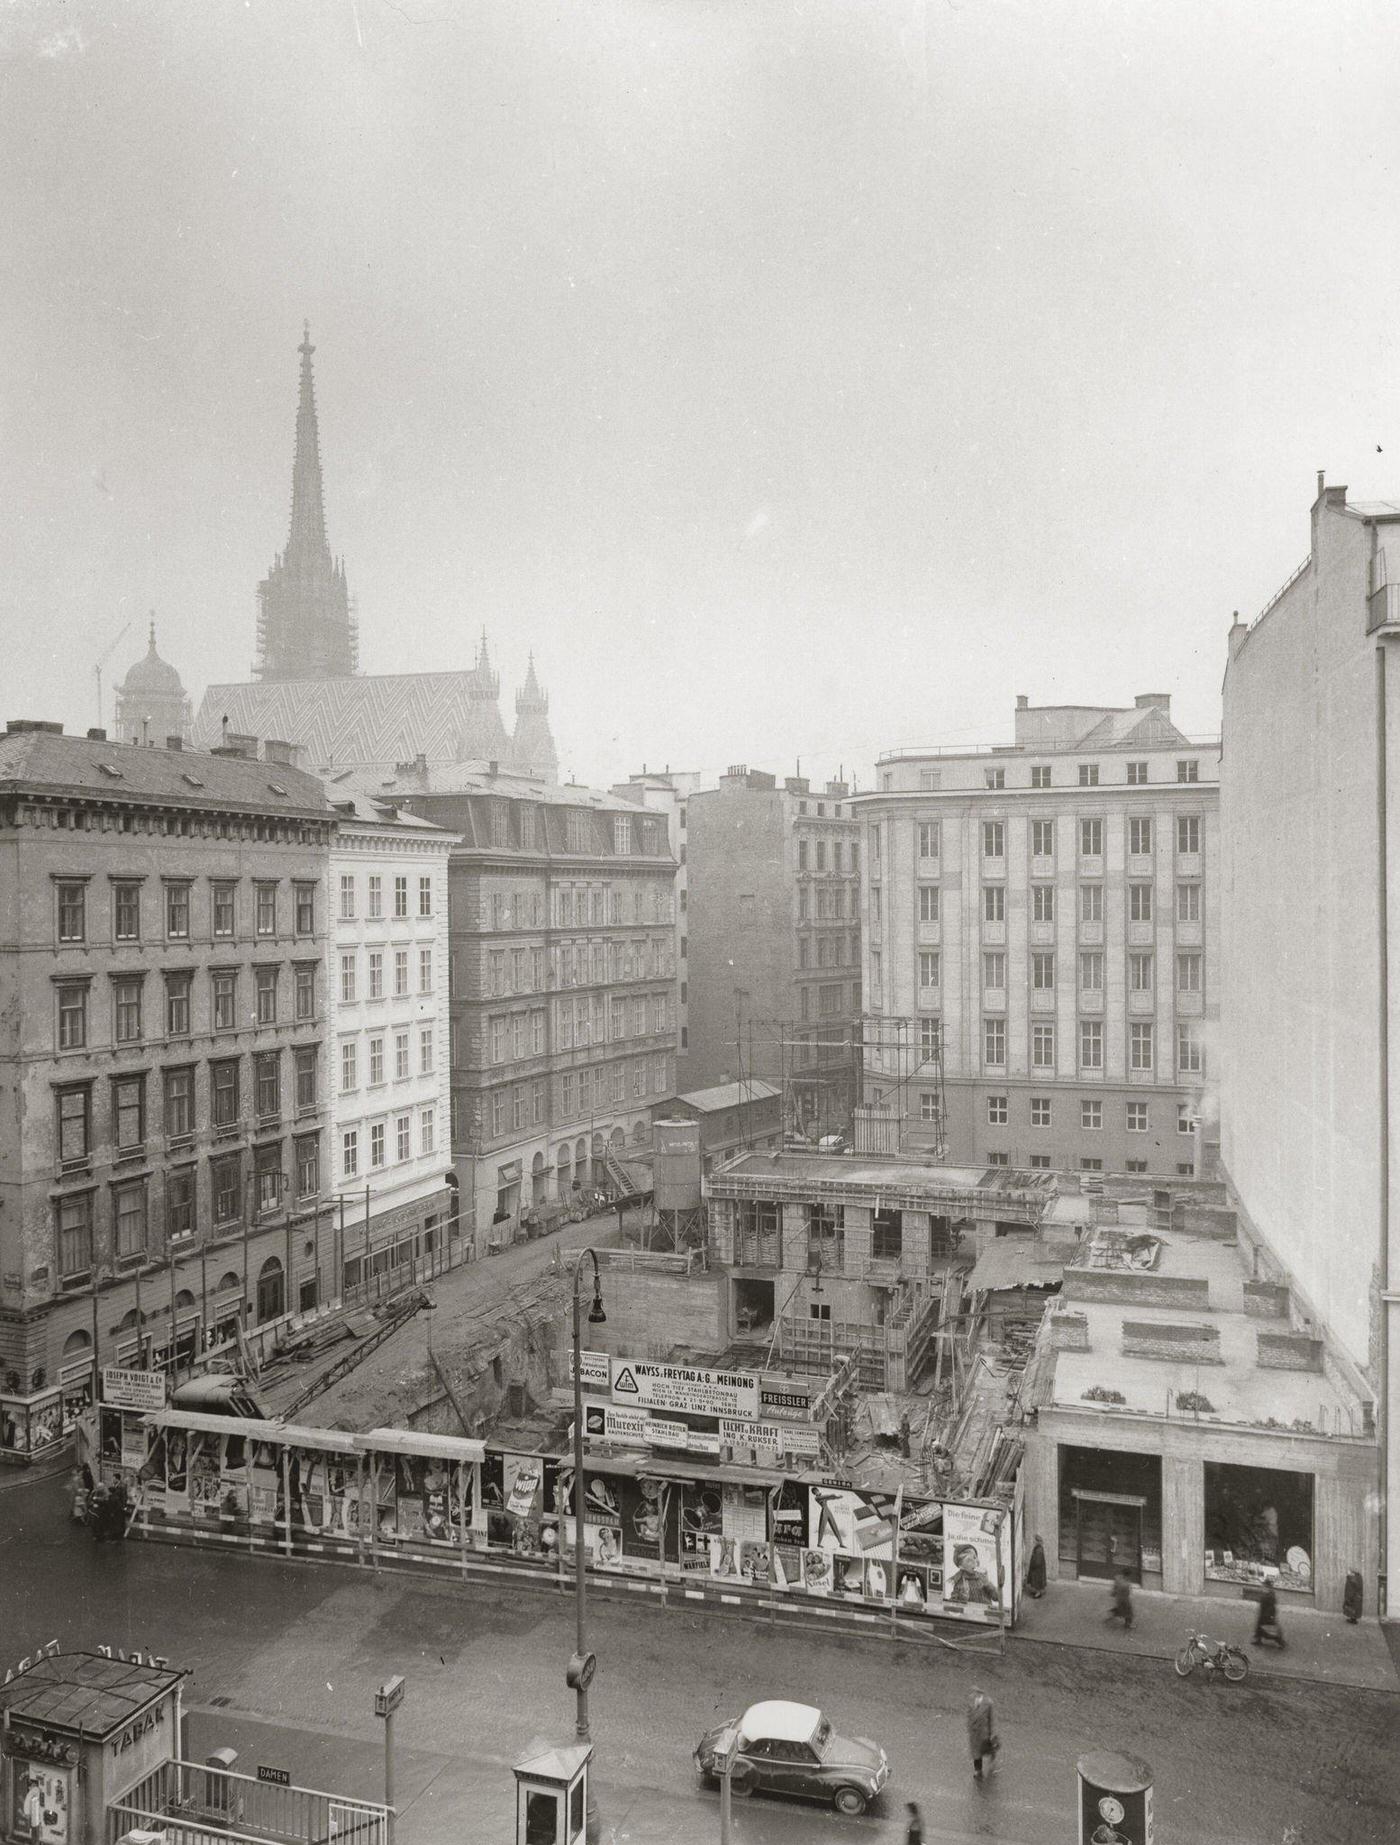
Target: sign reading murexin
686,1390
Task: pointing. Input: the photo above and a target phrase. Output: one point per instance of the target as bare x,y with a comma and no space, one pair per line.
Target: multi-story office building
668,792
563,982
389,1072
1044,919
162,1017
1310,1052
772,960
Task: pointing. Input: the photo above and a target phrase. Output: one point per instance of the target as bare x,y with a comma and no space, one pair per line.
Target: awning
411,1441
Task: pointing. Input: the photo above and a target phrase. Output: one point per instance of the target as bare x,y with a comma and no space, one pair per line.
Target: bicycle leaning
1215,1656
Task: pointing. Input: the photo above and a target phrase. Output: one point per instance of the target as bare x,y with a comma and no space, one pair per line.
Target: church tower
305,628
151,703
532,747
483,737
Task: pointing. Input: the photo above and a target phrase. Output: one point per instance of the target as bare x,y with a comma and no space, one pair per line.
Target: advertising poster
410,1495
206,1486
644,1515
850,1550
45,1424
168,1487
970,1562
743,1533
447,1501
264,1483
919,1573
701,1521
42,1802
789,1503
385,1494
134,1447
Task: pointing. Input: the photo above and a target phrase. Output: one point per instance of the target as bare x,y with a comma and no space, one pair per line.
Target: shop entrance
1110,1512
1259,1524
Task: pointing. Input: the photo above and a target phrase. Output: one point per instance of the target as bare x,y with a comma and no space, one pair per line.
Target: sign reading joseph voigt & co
687,1390
123,1389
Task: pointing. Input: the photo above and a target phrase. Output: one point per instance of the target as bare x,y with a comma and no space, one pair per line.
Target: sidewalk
1320,1646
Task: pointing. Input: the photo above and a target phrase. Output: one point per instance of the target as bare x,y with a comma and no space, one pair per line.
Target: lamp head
596,1316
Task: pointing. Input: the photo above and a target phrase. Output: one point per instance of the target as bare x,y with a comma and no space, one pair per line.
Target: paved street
285,1658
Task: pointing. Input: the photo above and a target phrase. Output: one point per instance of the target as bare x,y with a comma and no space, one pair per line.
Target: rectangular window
177,1005
1039,1162
223,1094
1189,1058
1090,1044
998,1111
928,968
1091,1116
1140,973
1137,774
425,896
177,912
928,839
425,970
226,1188
350,1153
1088,775
928,903
1043,838
126,912
267,1085
1043,902
499,1040
1091,838
994,778
347,896
74,1125
376,973
126,1003
1188,973
1040,1111
998,1159
401,1069
821,855
993,839
1139,903
400,973
1140,1046
265,910
994,970
1137,1118
349,1065
376,1062
403,1138
72,1017
1043,972
400,896
1135,1165
222,911
374,901
74,1225
129,1219
1188,771
347,978
72,912
266,978
930,1040
994,902
1090,1165
425,1048
1091,971
305,908
130,1113
376,1144
1140,835
427,1128
1040,776
304,1058
994,1043
1188,833
305,994
1043,1045
308,1166
1188,903
1091,903
1184,1122
1185,1170
928,1105
179,1103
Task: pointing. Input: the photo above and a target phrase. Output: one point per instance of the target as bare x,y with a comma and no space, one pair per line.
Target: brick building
772,949
563,982
1045,918
162,1014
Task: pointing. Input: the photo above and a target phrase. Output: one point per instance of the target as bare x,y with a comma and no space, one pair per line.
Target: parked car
783,1748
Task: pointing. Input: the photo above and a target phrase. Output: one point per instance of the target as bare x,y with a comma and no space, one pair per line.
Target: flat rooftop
990,1192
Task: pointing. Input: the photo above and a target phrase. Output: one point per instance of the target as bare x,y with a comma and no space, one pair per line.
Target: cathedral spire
308,530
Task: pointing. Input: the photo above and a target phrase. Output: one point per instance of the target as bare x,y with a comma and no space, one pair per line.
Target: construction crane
97,670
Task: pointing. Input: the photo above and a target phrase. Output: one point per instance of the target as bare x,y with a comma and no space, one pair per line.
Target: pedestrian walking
1035,1570
914,1830
1120,1601
1266,1622
983,1743
98,1515
1351,1597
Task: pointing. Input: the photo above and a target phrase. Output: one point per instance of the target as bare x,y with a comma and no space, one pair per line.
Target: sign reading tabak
688,1390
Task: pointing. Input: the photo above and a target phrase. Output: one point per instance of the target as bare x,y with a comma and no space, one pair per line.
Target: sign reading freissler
688,1390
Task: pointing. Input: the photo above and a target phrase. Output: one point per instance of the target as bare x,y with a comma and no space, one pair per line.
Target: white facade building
389,1068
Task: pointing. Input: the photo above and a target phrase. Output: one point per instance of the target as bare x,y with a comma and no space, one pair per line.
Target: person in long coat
1035,1570
981,1736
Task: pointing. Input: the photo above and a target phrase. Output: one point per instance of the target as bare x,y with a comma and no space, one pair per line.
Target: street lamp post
582,1666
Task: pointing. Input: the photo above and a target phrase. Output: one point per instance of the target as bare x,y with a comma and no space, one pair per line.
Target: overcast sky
797,378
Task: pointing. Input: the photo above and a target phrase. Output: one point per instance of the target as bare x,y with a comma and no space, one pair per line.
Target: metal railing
190,1804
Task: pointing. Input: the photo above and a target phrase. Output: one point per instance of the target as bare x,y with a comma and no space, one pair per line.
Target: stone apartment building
162,1023
389,1074
563,982
1045,917
668,792
772,961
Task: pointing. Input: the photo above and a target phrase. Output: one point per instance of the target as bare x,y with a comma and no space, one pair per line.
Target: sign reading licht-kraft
782,1437
685,1390
143,1390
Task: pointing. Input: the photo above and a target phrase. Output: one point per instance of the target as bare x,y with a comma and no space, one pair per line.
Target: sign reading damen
685,1389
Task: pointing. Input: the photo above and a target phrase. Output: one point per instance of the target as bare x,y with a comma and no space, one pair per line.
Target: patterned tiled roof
372,721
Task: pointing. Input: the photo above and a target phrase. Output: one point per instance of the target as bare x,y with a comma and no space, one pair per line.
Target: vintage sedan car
783,1748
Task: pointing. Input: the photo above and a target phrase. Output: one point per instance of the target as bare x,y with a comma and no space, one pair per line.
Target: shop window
1258,1524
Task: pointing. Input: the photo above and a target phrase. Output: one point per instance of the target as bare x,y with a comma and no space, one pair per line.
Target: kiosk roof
85,1691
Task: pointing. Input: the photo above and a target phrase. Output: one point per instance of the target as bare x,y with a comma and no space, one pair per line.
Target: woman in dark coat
1035,1570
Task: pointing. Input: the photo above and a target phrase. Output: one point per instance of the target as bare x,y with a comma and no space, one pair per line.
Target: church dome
153,676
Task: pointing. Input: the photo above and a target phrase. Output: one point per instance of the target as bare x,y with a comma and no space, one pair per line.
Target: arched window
272,1292
76,1342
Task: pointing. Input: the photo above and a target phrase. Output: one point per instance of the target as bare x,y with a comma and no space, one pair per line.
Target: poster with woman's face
701,1516
970,1562
42,1802
646,1508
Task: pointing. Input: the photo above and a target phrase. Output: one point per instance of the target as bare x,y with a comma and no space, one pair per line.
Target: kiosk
1115,1799
551,1796
80,1731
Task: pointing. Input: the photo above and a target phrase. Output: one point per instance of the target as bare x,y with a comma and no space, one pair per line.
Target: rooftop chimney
97,736
175,743
1022,702
42,725
1153,701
